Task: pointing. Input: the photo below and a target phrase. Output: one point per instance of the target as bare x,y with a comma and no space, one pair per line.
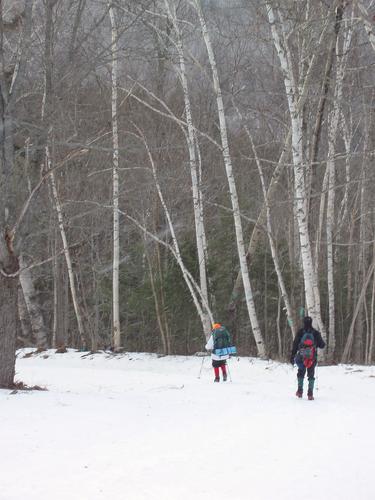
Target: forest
168,164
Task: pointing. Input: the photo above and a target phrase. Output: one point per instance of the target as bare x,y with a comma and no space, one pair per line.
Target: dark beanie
307,321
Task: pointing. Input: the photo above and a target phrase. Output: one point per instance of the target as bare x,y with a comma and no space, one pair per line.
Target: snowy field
139,427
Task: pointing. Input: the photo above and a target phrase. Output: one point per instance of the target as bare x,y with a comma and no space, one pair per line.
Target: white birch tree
295,93
258,337
274,254
115,181
38,326
46,114
193,161
201,305
333,126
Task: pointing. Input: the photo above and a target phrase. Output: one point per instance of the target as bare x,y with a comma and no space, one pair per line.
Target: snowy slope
138,427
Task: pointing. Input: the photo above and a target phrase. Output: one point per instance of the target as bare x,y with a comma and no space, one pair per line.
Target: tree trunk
275,257
47,115
349,342
158,309
9,265
295,98
193,287
232,188
25,338
370,353
333,125
258,230
115,184
69,264
35,313
8,326
196,190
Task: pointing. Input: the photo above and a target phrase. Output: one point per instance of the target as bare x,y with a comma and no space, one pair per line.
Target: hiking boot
310,396
224,377
299,393
217,379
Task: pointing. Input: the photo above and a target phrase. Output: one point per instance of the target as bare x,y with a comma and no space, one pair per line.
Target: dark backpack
221,338
307,349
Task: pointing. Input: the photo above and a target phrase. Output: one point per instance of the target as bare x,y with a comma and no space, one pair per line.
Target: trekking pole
316,376
200,371
230,376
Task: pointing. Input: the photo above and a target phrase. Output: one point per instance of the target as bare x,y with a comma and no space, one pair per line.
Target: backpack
222,342
307,349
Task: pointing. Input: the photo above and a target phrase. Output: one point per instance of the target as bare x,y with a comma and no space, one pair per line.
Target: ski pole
230,376
200,371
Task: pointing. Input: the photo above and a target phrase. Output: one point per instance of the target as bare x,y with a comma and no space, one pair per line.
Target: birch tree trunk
115,184
327,79
159,318
194,289
25,337
362,257
370,352
275,257
349,342
196,190
60,294
333,125
55,324
46,114
294,93
68,259
35,314
260,223
343,211
232,186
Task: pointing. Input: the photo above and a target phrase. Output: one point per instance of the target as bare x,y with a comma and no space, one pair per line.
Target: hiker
219,345
305,355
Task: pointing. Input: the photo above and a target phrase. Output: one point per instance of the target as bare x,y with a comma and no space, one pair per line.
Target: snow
142,427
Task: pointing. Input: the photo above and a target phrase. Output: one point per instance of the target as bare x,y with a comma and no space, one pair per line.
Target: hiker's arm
296,342
320,342
229,337
210,344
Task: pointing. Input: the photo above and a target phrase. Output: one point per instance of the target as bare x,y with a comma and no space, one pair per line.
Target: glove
292,360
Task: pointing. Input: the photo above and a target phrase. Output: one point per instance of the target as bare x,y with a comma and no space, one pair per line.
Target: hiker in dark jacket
305,355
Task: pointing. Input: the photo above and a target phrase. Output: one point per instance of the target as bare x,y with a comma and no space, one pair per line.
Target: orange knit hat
216,325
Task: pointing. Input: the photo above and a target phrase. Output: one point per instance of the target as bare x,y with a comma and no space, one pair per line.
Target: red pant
217,370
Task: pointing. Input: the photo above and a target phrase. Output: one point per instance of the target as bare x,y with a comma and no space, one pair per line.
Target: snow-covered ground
139,427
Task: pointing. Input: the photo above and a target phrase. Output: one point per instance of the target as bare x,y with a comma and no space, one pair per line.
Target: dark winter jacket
318,341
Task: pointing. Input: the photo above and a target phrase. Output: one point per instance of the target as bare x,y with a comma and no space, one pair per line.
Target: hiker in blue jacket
219,335
305,355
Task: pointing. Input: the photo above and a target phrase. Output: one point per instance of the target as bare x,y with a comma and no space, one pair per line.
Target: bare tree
295,93
10,78
232,186
115,178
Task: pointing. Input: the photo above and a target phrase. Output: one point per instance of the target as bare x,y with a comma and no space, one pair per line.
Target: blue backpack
222,342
